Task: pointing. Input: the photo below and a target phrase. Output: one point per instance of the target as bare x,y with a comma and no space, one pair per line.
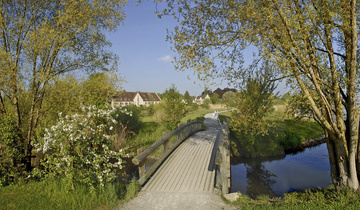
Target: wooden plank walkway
186,169
184,179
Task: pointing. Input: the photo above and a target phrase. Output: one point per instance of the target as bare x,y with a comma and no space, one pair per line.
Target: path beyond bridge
186,179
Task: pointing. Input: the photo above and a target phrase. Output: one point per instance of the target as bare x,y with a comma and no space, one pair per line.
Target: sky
145,57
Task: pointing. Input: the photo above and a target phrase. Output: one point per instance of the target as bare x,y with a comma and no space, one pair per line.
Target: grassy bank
286,132
326,198
54,194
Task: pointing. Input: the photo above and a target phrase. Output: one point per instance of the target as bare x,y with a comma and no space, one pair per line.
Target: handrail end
135,161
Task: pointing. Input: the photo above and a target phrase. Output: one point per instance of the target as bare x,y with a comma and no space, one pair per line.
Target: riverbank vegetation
285,134
326,198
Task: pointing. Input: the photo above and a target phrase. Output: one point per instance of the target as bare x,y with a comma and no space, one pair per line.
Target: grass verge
52,194
326,198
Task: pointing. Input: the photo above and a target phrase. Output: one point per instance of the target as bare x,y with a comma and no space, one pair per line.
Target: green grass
200,113
326,198
151,131
52,194
298,131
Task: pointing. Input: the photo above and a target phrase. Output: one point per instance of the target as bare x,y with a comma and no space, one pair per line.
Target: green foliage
64,95
194,107
246,145
52,194
98,88
229,98
12,147
326,198
150,133
173,108
284,134
297,131
132,189
42,40
188,99
214,98
302,39
253,105
206,104
131,122
299,107
77,148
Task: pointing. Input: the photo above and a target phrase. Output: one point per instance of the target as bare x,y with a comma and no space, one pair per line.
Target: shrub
206,104
131,121
291,139
194,107
12,148
78,148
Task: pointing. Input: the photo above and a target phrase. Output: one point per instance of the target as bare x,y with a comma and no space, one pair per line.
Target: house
200,99
135,98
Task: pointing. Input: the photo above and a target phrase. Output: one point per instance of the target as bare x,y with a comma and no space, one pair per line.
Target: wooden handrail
139,160
222,160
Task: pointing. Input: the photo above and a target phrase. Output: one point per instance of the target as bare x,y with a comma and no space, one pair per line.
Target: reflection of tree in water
259,180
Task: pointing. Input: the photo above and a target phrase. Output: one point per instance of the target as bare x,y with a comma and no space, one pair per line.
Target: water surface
304,170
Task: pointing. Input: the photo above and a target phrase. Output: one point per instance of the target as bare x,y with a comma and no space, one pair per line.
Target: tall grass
52,194
149,134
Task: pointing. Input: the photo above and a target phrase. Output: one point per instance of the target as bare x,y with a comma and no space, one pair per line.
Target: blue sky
145,55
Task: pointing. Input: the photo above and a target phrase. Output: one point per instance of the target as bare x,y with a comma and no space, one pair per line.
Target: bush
12,151
194,107
131,121
77,148
206,104
291,139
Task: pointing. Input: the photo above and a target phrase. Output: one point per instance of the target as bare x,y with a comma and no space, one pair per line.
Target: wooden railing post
142,168
166,143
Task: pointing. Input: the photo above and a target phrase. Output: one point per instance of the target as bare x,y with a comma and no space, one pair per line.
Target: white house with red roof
135,98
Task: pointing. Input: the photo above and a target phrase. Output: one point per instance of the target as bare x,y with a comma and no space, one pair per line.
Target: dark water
308,169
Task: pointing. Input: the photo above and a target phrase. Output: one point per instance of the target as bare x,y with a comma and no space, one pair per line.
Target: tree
206,104
253,104
63,95
188,99
41,40
314,44
214,98
98,88
229,98
11,151
173,108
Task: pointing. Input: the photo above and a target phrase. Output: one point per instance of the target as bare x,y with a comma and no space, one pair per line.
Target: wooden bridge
194,164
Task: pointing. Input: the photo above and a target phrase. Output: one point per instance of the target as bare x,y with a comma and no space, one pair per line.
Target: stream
274,177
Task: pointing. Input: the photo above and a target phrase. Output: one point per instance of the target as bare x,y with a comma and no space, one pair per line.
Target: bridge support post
142,168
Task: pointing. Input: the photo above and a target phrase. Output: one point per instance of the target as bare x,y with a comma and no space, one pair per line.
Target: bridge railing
176,136
222,160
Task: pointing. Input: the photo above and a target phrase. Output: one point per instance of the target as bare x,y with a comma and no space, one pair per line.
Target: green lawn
52,194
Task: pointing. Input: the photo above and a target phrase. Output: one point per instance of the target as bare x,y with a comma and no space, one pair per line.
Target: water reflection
274,177
259,180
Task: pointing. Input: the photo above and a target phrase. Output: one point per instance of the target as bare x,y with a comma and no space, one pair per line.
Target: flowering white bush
78,147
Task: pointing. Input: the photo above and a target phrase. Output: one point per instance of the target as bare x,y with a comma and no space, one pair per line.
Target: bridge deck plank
186,169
